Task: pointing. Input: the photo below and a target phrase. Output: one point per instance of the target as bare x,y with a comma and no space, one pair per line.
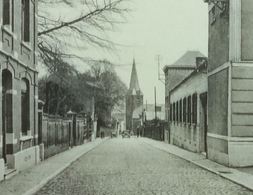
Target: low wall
2,169
25,158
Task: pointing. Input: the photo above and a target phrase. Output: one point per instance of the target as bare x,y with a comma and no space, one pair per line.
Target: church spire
134,87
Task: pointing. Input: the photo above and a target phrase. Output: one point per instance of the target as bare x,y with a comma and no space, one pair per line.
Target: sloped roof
134,86
188,59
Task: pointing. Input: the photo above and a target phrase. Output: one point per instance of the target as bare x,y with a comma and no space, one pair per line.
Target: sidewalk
234,175
29,181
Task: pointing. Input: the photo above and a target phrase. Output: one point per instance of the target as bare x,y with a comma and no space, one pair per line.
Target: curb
57,172
249,187
223,176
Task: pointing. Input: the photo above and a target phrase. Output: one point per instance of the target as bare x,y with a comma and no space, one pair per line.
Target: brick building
18,48
134,99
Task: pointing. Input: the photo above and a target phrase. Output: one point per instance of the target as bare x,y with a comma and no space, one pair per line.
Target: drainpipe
34,115
34,88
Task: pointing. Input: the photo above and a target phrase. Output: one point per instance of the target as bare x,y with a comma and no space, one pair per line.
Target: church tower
134,98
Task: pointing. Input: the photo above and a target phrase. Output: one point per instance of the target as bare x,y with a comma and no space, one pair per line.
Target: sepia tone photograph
126,97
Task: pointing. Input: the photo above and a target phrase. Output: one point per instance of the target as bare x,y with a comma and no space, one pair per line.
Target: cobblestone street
129,166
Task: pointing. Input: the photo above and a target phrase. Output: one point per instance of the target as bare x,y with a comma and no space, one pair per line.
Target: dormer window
26,20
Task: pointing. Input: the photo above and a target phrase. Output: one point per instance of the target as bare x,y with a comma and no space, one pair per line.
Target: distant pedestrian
138,131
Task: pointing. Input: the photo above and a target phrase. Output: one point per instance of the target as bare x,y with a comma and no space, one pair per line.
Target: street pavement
131,166
30,180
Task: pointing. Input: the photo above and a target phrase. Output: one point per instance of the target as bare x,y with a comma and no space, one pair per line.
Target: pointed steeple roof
134,86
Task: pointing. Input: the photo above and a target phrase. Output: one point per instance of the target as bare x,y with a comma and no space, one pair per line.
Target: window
8,12
184,110
194,108
180,111
189,110
177,112
25,106
170,112
174,112
26,20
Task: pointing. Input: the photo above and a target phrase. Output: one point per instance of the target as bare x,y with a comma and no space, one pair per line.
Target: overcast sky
156,27
164,27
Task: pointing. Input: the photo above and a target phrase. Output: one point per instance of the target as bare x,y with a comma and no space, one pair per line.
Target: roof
189,58
187,61
134,86
196,71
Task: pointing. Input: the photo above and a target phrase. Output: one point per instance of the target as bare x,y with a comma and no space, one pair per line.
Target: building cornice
18,61
178,67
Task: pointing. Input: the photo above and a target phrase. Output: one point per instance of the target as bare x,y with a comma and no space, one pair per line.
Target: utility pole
160,77
155,105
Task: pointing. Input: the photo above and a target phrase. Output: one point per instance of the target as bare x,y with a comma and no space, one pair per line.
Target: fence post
74,129
40,129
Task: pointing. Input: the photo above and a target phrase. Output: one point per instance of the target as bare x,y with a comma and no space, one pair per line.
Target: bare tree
86,26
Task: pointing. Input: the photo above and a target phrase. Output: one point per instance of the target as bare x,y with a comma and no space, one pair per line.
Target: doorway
203,123
6,109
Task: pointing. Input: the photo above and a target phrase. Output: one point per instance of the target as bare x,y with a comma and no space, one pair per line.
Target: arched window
25,106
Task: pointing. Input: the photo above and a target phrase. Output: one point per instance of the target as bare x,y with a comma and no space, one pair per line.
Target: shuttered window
194,108
180,111
174,112
170,112
184,110
189,109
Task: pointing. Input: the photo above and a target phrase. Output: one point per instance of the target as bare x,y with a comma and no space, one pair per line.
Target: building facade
134,99
188,113
18,48
230,82
174,74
